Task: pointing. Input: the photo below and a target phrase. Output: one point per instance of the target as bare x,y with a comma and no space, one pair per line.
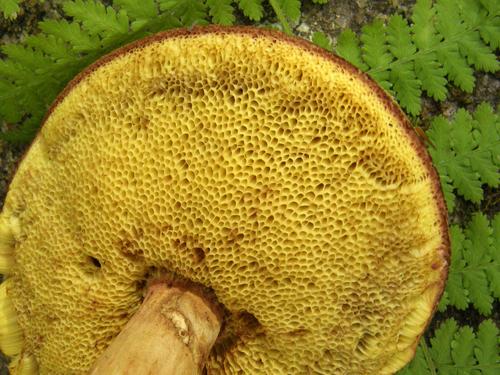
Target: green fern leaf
441,342
458,351
493,273
10,111
375,49
467,151
399,38
432,75
486,350
456,294
417,366
12,71
456,66
320,1
9,8
484,17
466,179
463,350
138,10
98,19
291,9
71,33
474,275
53,47
441,153
26,57
489,29
478,53
24,132
322,40
189,12
221,11
477,257
448,191
406,87
492,5
424,32
348,48
253,9
428,70
485,160
405,83
375,52
449,24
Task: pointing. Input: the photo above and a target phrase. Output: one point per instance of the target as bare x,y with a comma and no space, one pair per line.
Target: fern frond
489,29
466,152
98,19
71,33
348,47
478,54
446,40
189,12
51,46
139,12
32,60
424,32
457,68
432,76
25,132
322,40
399,38
280,14
493,276
486,347
9,8
291,9
474,275
221,11
375,52
458,350
405,83
9,109
252,9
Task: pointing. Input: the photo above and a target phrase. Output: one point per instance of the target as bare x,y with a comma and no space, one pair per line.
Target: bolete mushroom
263,194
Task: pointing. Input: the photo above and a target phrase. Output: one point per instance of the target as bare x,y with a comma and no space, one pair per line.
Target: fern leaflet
348,47
9,8
444,41
71,33
458,351
189,12
474,275
253,9
291,9
322,40
466,152
98,19
138,12
221,11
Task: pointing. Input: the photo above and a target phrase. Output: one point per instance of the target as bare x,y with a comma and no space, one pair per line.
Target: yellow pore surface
251,165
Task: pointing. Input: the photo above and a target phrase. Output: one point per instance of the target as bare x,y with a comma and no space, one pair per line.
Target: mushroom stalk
172,333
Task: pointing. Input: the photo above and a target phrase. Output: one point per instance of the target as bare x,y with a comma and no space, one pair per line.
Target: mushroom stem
172,333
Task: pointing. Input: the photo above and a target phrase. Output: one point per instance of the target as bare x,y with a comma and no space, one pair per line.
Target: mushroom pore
252,167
